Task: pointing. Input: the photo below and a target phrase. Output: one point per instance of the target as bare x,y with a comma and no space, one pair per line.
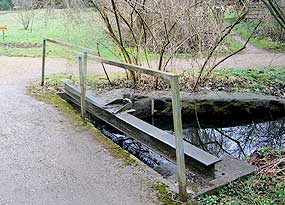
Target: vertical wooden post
43,62
85,55
152,107
82,74
180,160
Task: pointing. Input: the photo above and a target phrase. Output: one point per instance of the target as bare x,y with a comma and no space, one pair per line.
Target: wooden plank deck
169,139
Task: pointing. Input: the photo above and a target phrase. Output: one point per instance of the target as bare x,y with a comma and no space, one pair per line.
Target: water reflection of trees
238,141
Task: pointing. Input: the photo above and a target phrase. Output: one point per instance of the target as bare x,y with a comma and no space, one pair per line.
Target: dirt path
249,60
245,60
250,49
251,57
46,160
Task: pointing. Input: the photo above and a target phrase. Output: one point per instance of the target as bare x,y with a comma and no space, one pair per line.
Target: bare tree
140,28
276,11
25,11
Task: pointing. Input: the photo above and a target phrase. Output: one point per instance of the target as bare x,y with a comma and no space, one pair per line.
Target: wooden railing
88,54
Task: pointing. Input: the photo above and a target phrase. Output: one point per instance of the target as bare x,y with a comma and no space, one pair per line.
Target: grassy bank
268,81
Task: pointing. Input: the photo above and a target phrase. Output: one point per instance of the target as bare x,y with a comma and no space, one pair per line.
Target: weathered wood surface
135,68
179,142
82,74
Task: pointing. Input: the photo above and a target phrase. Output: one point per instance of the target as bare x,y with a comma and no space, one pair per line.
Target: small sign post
3,29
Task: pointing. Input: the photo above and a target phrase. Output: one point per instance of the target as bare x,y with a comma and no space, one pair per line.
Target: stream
237,141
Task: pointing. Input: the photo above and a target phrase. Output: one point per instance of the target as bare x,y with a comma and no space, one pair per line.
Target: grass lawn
58,25
244,29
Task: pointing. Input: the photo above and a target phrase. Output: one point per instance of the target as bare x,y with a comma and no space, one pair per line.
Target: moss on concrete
49,96
166,197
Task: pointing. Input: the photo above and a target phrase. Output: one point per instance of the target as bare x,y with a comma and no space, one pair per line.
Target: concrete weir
219,171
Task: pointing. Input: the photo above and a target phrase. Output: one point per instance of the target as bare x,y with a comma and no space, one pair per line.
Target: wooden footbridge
172,147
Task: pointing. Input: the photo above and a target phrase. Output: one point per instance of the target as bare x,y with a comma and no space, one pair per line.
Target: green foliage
245,29
263,188
5,5
268,80
232,45
264,151
230,14
255,190
260,75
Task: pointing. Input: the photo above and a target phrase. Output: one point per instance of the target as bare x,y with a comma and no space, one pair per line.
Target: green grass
57,25
260,75
230,15
268,80
54,80
231,45
76,30
244,29
167,197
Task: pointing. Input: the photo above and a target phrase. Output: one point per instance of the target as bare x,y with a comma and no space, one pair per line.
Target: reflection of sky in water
238,141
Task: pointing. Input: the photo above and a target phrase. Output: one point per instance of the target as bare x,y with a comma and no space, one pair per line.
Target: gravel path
45,159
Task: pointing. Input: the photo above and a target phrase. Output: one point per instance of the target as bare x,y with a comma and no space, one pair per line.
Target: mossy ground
167,197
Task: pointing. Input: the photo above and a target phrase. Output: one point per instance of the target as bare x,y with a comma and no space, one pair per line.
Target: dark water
137,149
237,141
129,144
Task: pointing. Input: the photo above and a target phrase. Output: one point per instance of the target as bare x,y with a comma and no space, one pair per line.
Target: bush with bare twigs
25,11
141,29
